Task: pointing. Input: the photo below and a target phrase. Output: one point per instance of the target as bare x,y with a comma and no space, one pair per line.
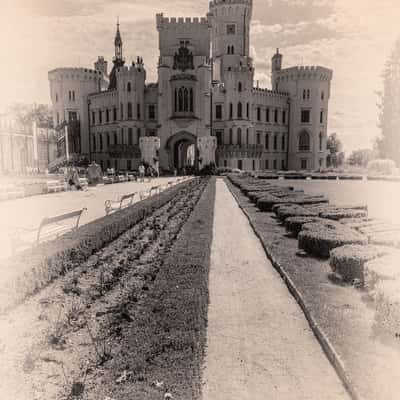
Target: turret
118,60
101,65
276,66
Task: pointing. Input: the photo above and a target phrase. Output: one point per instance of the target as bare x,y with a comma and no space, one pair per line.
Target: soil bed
344,319
127,323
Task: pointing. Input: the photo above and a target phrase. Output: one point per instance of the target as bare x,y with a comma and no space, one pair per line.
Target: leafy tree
388,143
26,114
361,157
336,154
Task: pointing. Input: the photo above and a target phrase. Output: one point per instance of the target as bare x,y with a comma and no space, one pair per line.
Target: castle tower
276,66
101,65
118,60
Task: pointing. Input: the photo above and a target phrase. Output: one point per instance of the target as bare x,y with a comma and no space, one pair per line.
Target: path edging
320,335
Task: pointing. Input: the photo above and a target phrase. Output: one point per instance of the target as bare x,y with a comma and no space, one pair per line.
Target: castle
204,108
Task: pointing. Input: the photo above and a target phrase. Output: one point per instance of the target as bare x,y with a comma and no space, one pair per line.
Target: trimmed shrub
340,213
295,224
292,210
321,237
348,261
267,202
381,269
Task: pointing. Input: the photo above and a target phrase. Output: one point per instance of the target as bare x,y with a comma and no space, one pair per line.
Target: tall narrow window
240,86
58,118
185,100
191,108
267,142
122,136
304,94
239,110
129,87
284,117
73,95
275,142
129,110
138,111
308,94
107,115
180,100
322,95
320,141
108,140
94,143
218,111
304,141
321,117
115,138
247,137
176,100
122,112
248,110
258,113
152,111
230,136
239,137
139,133
276,115
258,138
101,142
230,110
283,142
115,114
100,117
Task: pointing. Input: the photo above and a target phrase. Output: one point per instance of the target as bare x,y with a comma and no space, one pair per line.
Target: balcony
240,151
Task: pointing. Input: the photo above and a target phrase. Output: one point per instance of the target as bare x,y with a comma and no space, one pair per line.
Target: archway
182,151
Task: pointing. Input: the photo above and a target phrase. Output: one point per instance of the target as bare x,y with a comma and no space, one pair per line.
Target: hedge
292,210
295,224
321,237
340,213
267,202
348,261
34,268
381,269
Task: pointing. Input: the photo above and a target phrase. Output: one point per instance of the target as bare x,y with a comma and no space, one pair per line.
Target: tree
361,157
336,154
26,114
388,143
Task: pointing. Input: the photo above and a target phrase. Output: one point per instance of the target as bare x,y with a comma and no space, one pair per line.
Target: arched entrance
182,151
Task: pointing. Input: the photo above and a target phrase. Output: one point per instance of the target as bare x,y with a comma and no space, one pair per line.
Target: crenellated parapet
304,72
267,93
74,74
215,3
174,22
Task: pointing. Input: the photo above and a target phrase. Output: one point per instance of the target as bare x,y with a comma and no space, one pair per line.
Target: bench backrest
127,197
54,220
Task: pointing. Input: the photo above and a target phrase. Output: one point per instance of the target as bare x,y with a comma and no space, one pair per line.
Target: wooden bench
56,186
114,205
49,228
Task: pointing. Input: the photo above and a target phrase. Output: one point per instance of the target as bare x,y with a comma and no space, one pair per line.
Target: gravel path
259,345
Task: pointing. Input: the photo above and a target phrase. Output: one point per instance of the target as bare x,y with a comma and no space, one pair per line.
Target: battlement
74,74
132,70
305,72
165,22
269,93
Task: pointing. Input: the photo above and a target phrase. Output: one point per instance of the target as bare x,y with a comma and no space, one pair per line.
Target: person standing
141,172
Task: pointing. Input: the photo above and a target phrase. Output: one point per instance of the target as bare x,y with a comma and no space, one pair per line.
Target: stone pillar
149,147
207,147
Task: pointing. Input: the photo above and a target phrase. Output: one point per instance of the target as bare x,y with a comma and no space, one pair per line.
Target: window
58,118
247,137
248,110
100,117
122,136
122,111
230,29
258,138
152,111
321,117
116,165
304,141
230,136
283,165
322,95
69,95
115,138
115,114
283,142
240,87
129,165
108,140
304,94
129,87
239,110
139,133
218,111
303,164
184,100
240,164
94,143
267,115
275,142
239,137
101,142
275,164
220,137
230,110
254,165
73,95
107,115
130,114
308,94
305,116
231,50
266,164
276,116
138,111
321,162
258,113
267,141
225,163
320,141
284,117
108,164
56,98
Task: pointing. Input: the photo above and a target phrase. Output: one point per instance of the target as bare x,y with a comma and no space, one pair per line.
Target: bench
56,186
49,228
114,205
84,183
148,193
122,178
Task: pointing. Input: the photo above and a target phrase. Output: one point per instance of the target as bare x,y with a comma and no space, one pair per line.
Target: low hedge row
321,237
295,224
267,202
284,211
33,269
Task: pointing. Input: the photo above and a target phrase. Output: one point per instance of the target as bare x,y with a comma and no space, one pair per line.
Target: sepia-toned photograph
200,200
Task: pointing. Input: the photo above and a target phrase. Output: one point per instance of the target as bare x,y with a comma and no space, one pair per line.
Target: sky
352,37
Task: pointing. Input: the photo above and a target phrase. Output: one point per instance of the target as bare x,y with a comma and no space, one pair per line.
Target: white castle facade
204,108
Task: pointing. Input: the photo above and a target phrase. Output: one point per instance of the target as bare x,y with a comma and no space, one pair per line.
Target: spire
118,43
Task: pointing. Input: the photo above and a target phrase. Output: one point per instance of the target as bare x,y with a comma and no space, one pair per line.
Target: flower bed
35,268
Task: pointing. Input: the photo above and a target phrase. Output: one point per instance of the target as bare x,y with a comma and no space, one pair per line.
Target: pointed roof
118,39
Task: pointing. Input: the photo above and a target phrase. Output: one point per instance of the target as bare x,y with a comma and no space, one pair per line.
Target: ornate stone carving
183,60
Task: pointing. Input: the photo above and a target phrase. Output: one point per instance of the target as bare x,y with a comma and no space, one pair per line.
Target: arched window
248,110
321,139
176,99
283,143
115,138
239,110
129,87
322,95
129,110
232,50
240,86
185,99
247,137
230,110
101,142
230,136
275,142
239,137
304,141
180,99
108,140
191,108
